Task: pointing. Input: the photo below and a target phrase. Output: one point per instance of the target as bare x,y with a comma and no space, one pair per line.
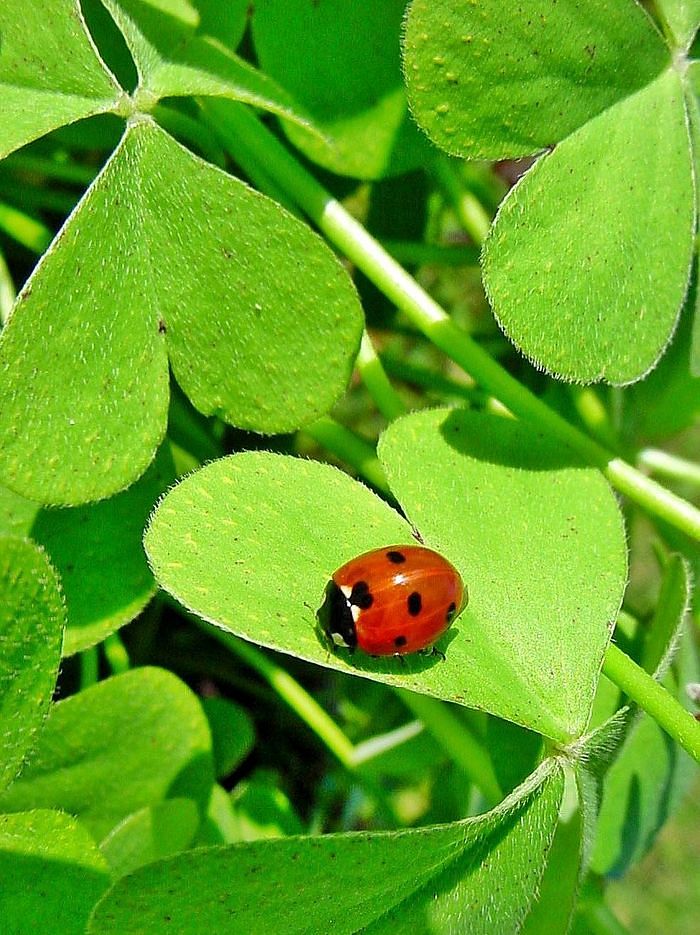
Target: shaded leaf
548,67
646,782
130,741
481,872
587,300
32,618
261,809
50,72
52,874
154,832
341,62
233,736
97,551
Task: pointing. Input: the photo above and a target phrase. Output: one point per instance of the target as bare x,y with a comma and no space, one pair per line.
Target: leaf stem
239,123
7,291
670,466
89,667
654,699
26,230
116,654
303,705
468,209
458,742
378,385
350,448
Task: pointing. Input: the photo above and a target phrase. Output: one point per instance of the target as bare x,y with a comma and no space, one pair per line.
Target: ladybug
393,601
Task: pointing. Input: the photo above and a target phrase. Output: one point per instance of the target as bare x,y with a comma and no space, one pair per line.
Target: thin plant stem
61,171
654,699
412,253
8,293
116,654
669,466
378,385
458,742
594,415
89,667
26,230
350,448
303,705
239,124
468,209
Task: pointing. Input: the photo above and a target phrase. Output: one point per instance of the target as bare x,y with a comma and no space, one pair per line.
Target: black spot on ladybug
451,611
400,641
397,558
360,596
414,603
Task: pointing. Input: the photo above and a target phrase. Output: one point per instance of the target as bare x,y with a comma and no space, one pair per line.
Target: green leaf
577,283
556,899
173,61
223,21
154,832
97,552
553,562
479,874
32,618
260,320
487,85
52,874
540,543
341,62
262,810
50,72
122,744
232,732
682,16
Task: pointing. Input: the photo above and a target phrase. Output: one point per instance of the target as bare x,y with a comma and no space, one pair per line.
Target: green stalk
669,466
242,129
458,742
469,211
349,448
303,705
7,291
412,253
116,655
89,667
26,230
71,172
375,379
654,699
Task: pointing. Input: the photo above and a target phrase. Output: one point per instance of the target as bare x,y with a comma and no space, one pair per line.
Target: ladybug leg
434,651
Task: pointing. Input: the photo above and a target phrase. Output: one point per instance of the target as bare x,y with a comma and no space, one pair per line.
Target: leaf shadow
503,441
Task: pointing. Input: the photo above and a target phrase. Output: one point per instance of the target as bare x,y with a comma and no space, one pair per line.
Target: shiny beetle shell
393,601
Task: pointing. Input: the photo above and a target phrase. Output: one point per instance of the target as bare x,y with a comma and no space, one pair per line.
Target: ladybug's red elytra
393,601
